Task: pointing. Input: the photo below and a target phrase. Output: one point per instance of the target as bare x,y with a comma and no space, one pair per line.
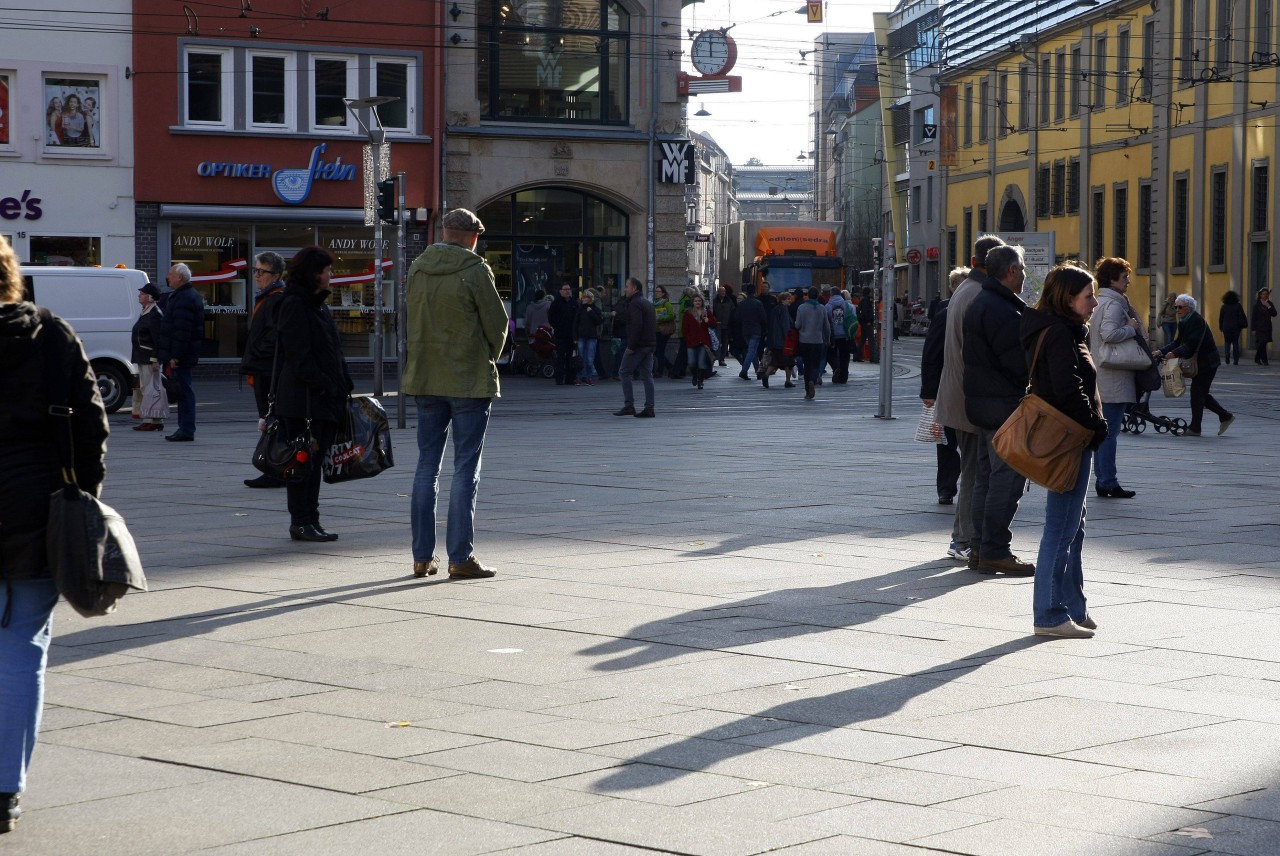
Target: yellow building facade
1144,130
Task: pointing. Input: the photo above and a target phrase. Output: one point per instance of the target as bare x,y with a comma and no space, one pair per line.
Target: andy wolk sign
676,166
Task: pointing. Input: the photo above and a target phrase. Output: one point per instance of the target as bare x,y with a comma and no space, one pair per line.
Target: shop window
208,95
271,90
65,251
394,79
74,113
564,61
332,83
351,298
220,256
1218,219
6,139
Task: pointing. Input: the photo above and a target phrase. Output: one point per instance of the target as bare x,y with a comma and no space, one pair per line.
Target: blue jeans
1231,345
752,358
469,418
186,401
587,350
1059,585
24,653
997,490
700,359
1170,331
640,360
1106,456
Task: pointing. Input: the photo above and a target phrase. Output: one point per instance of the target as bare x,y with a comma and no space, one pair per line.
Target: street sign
702,239
814,8
929,132
913,256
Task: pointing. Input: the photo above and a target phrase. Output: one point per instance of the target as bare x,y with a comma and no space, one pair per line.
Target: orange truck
790,253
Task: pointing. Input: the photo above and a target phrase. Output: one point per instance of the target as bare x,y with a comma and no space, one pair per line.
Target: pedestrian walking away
638,357
665,312
1114,322
815,337
456,330
259,349
1055,344
181,334
1232,322
30,338
751,323
931,363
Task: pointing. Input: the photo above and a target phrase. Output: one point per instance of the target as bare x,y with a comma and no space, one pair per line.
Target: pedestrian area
728,630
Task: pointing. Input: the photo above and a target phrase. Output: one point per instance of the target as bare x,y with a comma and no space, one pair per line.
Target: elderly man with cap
146,332
455,333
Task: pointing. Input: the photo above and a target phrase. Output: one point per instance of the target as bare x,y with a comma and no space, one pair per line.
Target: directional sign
814,8
929,132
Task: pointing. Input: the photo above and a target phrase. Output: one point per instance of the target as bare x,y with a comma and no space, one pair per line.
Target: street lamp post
377,142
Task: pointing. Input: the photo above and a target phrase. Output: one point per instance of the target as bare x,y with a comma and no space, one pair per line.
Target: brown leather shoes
471,569
426,569
1010,567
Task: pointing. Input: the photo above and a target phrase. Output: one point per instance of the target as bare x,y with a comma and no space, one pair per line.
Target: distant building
710,203
774,192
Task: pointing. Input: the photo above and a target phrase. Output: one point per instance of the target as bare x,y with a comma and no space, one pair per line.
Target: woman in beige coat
1114,321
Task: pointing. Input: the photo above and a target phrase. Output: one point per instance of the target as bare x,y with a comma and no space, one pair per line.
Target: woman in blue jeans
29,341
1062,372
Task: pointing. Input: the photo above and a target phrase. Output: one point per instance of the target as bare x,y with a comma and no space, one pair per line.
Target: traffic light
877,259
387,200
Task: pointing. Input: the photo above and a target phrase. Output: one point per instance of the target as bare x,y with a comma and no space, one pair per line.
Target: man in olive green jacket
455,333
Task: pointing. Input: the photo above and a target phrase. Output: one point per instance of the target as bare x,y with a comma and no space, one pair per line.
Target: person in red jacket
696,330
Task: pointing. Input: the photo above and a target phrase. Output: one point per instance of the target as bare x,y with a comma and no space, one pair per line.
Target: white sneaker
1066,630
960,553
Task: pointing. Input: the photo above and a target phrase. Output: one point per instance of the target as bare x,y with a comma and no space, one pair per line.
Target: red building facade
245,143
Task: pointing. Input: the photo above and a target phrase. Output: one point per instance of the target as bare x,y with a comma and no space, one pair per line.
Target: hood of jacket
443,259
1034,321
18,325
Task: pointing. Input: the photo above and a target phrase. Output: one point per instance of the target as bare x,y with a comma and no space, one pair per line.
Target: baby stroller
1139,414
537,356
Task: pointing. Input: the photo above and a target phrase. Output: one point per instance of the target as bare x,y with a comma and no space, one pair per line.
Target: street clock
713,53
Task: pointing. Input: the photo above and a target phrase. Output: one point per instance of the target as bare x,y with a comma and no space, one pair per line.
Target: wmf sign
677,163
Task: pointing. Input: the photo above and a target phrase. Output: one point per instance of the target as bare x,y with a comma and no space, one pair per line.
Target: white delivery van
102,305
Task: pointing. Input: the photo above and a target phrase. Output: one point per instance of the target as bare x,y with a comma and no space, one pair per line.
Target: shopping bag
1171,379
362,447
155,401
927,429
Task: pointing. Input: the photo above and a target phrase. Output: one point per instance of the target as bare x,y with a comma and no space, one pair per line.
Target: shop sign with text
291,185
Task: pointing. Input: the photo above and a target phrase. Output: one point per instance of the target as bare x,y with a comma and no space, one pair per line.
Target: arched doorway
536,238
1011,219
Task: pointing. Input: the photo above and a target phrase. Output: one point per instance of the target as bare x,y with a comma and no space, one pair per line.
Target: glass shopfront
536,239
220,256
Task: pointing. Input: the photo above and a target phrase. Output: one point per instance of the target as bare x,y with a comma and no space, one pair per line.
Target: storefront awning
266,213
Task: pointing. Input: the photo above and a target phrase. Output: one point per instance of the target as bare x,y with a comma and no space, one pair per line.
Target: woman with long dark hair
312,383
1063,374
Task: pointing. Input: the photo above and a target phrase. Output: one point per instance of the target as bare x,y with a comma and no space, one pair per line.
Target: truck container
790,254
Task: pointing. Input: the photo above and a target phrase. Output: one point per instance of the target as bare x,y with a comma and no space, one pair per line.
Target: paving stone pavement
729,630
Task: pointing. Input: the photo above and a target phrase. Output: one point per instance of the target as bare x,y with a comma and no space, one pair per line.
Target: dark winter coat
145,336
1194,337
563,317
259,349
29,469
1231,319
642,324
182,326
1261,322
749,319
588,321
780,323
995,369
1064,373
931,357
313,372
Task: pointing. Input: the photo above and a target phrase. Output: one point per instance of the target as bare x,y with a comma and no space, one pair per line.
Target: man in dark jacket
752,323
181,335
259,350
563,316
995,379
642,338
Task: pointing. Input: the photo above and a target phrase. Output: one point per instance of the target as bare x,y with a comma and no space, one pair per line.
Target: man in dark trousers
752,323
181,335
995,379
260,348
562,315
642,338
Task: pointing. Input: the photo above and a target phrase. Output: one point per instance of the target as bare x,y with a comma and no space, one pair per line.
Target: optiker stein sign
292,185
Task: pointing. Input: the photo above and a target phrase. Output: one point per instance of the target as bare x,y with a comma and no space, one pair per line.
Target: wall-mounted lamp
702,110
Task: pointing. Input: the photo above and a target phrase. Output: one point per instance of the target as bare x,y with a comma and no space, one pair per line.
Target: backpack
838,327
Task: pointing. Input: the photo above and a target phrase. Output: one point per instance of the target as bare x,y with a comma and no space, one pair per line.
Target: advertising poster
1038,255
73,112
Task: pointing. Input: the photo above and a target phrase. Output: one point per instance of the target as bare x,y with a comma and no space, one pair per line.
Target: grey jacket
949,408
1110,324
811,321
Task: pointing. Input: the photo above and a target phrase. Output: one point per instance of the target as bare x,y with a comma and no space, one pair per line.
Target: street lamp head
371,101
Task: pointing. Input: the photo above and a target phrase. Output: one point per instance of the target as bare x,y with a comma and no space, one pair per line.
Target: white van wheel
113,385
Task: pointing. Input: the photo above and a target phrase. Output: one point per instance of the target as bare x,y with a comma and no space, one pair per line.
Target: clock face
713,52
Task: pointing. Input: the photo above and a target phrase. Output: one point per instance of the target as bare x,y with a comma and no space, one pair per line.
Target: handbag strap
1031,370
59,399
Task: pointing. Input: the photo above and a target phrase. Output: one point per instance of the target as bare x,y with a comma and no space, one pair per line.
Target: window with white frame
333,81
394,78
208,75
271,90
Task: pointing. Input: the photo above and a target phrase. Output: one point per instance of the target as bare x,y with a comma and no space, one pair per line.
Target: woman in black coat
1195,340
1232,322
29,473
312,390
145,335
1260,325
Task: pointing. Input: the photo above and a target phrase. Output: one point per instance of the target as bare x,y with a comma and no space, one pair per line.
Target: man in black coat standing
752,323
995,379
181,335
642,338
563,317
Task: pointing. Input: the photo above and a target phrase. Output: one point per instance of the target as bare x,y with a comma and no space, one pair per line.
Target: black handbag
1148,379
362,446
87,544
287,458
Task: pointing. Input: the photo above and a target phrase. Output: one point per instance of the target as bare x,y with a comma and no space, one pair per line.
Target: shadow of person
783,614
804,718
